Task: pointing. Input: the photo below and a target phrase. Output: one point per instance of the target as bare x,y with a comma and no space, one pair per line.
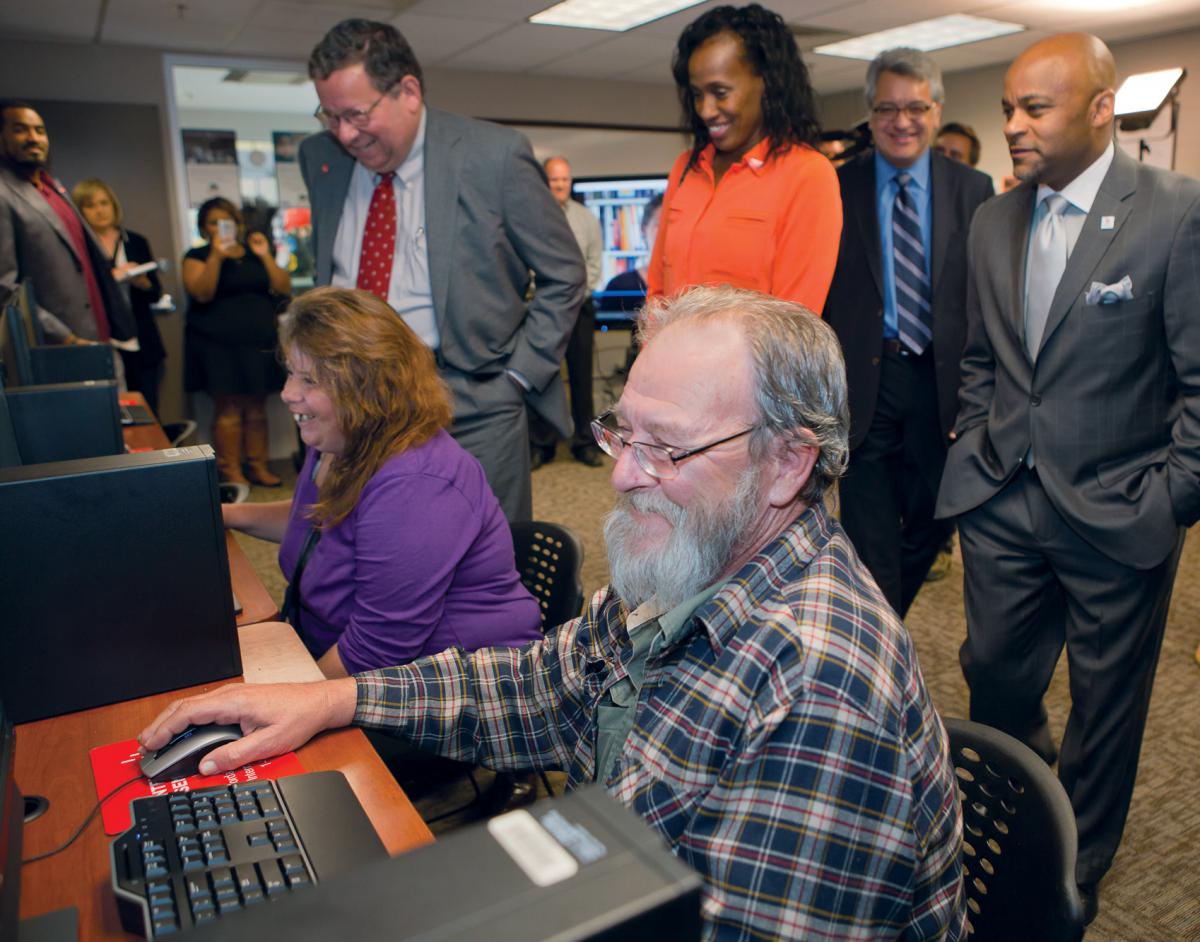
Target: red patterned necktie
379,240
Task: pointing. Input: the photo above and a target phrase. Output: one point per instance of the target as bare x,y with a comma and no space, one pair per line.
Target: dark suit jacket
35,246
152,352
854,308
1112,406
489,220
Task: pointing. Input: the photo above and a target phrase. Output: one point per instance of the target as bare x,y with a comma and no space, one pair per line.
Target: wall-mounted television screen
628,209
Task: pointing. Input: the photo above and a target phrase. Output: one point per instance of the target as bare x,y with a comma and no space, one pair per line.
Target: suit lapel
444,155
862,190
29,193
336,168
1111,200
941,191
1017,246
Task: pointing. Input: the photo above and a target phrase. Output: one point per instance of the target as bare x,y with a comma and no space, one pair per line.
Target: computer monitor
65,421
10,452
620,205
115,581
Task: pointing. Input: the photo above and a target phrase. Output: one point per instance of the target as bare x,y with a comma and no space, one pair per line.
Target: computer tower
580,867
65,421
114,581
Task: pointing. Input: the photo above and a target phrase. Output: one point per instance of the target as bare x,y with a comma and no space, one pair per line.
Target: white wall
974,98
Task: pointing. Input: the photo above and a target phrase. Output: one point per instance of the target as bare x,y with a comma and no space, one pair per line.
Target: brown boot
257,439
227,443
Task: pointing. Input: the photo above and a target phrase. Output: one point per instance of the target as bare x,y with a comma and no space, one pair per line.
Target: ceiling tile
53,19
526,46
435,38
616,58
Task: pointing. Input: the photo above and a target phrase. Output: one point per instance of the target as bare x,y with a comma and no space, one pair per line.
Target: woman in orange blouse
753,204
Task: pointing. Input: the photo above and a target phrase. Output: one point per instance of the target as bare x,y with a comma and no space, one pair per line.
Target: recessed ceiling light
616,15
939,33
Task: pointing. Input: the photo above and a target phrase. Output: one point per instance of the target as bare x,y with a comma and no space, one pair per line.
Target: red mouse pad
119,762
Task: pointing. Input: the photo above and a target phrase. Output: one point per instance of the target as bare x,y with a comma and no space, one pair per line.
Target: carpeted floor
1152,893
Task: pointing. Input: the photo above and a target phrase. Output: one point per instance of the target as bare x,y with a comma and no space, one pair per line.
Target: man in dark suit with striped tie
897,304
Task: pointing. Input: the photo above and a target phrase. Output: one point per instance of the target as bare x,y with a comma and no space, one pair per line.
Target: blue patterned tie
914,316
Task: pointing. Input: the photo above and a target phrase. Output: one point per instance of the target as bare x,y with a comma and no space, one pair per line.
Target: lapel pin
325,169
1107,222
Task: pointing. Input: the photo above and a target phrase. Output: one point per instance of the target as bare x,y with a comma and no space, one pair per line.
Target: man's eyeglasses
355,117
916,110
658,461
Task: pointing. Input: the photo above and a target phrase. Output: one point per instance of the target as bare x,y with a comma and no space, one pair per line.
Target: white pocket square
1100,293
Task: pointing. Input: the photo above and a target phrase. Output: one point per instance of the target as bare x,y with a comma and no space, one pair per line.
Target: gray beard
699,548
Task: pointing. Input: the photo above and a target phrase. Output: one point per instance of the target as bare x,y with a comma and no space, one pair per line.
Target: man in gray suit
1077,462
445,218
43,240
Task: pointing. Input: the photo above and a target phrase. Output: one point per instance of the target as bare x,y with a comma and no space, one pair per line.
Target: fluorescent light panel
1145,92
615,15
927,35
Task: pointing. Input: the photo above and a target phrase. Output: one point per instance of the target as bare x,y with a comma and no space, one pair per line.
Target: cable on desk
83,827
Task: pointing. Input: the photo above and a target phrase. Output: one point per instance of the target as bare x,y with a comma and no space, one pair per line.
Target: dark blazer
151,352
1112,406
854,308
34,245
490,219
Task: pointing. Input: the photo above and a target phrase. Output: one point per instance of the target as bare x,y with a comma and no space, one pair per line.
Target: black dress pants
890,488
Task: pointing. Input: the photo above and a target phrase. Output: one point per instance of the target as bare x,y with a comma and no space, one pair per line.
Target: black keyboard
193,857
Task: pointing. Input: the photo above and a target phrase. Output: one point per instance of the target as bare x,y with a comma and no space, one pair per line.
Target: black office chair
1019,840
549,559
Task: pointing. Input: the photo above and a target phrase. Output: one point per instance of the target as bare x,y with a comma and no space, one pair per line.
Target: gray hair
799,373
909,62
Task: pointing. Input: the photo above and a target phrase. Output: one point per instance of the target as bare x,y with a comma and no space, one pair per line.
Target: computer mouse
181,756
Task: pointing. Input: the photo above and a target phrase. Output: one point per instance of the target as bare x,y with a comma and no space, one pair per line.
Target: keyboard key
293,864
222,878
163,911
272,878
197,887
205,905
228,904
258,839
161,927
247,880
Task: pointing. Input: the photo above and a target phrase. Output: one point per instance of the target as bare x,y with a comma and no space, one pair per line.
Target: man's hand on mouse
275,718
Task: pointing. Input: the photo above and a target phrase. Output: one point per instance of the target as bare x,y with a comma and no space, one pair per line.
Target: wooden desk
52,761
257,604
148,437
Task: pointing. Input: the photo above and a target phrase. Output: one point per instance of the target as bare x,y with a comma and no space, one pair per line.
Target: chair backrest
549,559
1019,839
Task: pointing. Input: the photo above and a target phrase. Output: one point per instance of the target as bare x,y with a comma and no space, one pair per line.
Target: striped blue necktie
914,316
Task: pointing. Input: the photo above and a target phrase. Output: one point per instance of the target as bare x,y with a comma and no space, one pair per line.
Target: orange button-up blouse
770,224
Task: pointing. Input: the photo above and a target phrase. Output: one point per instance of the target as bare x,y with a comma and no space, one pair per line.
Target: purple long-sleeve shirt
423,562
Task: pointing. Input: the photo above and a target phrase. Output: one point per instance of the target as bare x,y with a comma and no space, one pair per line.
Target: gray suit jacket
489,221
1112,405
34,245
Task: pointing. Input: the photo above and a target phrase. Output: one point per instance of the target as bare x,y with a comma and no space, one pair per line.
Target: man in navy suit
467,217
897,304
1077,462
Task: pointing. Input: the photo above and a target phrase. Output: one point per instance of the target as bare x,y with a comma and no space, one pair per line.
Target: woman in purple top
394,543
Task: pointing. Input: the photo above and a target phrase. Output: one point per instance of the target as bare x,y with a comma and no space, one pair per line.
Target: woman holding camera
233,289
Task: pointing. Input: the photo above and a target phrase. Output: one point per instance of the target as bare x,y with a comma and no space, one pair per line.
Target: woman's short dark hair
218,202
385,54
789,105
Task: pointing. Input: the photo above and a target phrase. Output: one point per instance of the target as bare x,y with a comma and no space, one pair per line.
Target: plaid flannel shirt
786,747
